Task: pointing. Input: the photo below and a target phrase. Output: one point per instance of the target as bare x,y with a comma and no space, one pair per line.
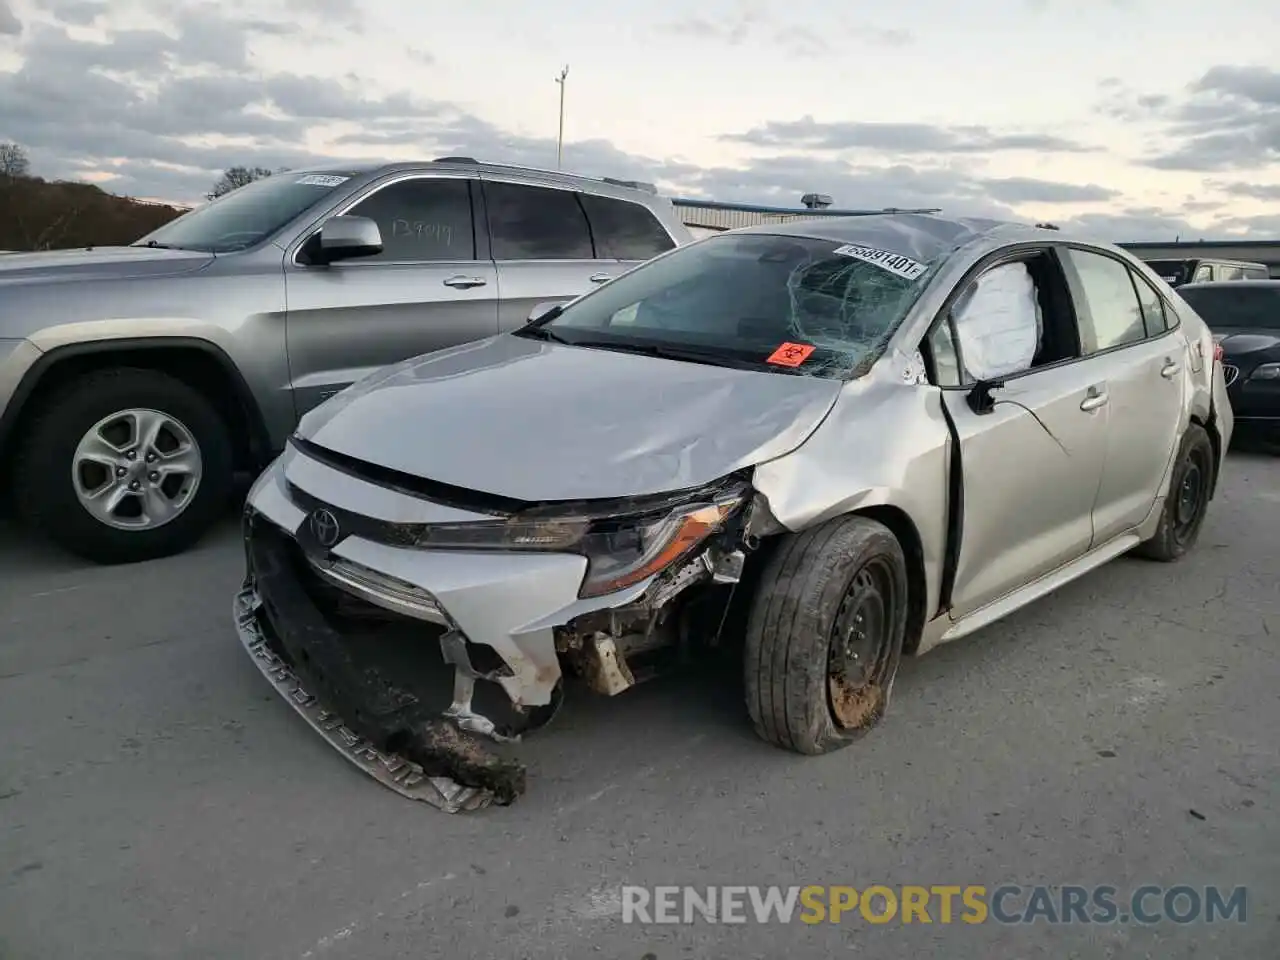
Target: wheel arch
201,363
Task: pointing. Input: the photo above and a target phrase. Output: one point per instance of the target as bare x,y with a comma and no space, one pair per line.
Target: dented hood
542,421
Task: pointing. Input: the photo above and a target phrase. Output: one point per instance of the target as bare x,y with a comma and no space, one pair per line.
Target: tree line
39,214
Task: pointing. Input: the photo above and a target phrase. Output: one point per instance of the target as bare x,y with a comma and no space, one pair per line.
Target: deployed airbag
998,323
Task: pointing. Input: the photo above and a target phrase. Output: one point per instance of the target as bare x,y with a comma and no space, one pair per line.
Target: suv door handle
1094,401
465,283
599,277
1169,369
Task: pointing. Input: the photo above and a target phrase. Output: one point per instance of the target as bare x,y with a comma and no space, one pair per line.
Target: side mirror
543,311
343,238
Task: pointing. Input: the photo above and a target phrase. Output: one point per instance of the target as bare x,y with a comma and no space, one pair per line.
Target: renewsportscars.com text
945,904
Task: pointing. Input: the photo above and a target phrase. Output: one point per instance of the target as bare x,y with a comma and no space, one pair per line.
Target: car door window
1154,314
1203,272
536,223
421,219
623,230
1111,314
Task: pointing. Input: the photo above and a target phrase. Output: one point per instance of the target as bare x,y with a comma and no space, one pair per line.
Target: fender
55,354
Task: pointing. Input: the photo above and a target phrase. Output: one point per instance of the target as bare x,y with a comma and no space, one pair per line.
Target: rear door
625,231
1123,326
432,286
542,247
1032,459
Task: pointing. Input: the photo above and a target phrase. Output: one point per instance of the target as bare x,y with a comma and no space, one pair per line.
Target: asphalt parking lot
158,800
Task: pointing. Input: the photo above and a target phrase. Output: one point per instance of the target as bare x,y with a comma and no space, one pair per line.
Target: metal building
710,216
1253,251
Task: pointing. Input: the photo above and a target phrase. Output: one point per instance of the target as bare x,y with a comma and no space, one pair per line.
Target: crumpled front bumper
509,602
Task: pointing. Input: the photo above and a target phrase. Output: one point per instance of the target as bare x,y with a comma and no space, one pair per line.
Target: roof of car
920,235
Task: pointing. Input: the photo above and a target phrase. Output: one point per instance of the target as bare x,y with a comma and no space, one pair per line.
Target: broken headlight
621,549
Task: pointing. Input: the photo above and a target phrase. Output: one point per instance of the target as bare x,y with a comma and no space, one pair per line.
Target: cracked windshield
766,302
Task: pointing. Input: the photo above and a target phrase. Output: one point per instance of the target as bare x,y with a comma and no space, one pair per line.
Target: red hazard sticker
790,354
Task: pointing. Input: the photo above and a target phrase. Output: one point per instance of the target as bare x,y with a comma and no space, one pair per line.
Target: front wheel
126,465
1188,501
825,635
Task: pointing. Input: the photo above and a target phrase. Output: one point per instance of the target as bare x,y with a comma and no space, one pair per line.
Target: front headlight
620,550
1267,371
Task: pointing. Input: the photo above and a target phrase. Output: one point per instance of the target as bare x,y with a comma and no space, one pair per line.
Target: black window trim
1016,253
1073,281
479,246
577,190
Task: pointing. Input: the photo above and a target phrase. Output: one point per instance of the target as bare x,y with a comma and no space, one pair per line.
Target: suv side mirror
343,238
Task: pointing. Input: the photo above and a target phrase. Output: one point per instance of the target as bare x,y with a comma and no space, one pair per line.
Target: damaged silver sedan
833,442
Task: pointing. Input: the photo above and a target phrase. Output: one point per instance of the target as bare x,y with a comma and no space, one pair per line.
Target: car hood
99,263
1239,343
539,421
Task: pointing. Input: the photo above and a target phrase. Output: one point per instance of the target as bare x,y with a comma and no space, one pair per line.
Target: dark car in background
1244,316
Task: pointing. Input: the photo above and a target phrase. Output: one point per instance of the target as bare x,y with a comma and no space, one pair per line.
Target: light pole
564,75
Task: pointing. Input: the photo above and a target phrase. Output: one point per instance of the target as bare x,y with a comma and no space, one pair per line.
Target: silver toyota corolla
836,441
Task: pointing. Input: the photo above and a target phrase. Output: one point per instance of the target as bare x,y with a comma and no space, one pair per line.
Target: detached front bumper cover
434,759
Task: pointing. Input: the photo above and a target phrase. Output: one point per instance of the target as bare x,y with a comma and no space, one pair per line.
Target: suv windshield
778,303
246,215
1237,307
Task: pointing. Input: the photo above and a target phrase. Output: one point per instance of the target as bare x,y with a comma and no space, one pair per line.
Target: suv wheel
126,465
825,635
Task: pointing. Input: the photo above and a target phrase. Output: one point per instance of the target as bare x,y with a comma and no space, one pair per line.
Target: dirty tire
803,595
45,494
1178,530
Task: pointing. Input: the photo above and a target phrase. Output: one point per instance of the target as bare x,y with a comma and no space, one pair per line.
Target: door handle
599,277
465,283
1169,369
1093,401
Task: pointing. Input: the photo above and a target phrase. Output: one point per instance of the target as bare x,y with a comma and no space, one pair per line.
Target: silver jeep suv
134,381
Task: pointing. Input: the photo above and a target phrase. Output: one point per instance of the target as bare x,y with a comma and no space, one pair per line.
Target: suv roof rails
633,184
614,181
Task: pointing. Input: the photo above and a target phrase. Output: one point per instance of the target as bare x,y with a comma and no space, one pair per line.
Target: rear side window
1228,273
421,220
536,223
1153,312
1241,306
1113,315
624,230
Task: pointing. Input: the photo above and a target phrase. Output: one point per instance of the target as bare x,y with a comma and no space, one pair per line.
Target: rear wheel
825,635
126,465
1187,503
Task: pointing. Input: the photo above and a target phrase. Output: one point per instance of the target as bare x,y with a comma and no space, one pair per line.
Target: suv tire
87,439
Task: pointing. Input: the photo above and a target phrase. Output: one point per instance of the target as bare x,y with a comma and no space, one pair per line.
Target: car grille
1230,373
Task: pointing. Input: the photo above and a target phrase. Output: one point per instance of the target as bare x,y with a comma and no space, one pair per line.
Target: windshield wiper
157,245
669,353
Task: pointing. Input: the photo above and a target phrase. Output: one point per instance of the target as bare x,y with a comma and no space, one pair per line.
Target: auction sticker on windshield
323,180
790,354
895,263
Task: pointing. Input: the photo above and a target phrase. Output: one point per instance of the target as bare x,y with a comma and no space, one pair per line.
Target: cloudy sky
1142,119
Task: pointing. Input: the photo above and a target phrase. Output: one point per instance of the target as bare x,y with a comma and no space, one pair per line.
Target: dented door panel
1031,469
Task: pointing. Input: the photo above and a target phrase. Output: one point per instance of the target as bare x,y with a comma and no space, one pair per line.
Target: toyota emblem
324,527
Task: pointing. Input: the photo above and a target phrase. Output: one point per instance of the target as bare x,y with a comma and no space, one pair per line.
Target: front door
1123,327
1032,456
427,290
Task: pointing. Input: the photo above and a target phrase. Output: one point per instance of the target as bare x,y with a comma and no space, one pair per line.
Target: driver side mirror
346,237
